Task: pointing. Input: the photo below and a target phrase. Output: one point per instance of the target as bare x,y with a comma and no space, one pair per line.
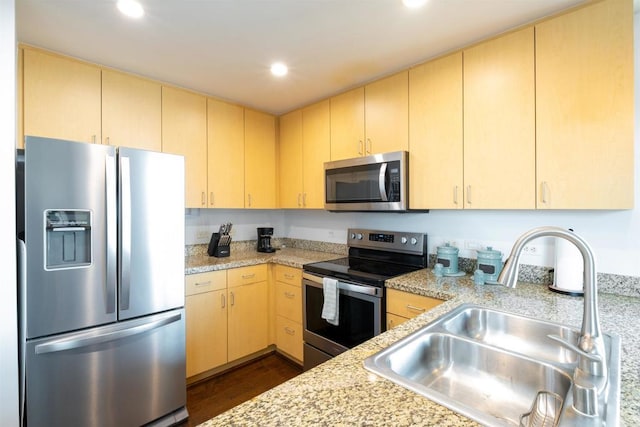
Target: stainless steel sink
491,365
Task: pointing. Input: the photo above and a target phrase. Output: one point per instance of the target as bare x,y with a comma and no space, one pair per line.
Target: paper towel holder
567,253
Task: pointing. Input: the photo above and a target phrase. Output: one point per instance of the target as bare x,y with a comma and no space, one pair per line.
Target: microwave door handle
381,182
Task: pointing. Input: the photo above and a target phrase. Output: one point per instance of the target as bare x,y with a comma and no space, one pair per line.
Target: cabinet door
289,337
225,136
61,97
184,132
316,134
584,108
347,124
435,134
290,167
206,331
408,305
131,111
499,123
260,160
248,319
387,114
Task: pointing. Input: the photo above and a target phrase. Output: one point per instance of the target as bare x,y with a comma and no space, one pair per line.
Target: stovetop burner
375,256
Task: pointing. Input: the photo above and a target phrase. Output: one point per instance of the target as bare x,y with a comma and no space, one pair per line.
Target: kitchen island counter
341,392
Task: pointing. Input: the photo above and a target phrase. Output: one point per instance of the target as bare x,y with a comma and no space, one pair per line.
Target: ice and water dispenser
68,239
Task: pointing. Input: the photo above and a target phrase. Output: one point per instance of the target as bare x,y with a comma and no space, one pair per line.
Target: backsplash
607,283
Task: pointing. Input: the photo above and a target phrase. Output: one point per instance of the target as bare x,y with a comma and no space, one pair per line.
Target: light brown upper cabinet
61,97
347,124
225,136
131,111
316,134
584,108
499,123
435,134
184,132
290,170
259,160
386,106
372,119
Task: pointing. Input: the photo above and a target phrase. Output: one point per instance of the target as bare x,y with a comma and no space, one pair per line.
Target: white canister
568,275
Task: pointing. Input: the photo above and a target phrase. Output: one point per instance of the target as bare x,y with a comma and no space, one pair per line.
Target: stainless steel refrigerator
101,285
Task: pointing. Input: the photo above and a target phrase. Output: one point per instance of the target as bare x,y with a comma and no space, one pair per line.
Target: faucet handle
576,349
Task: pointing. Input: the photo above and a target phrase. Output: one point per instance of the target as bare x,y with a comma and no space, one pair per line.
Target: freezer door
70,236
126,374
151,237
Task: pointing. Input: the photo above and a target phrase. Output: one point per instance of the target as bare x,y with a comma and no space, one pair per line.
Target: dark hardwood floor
211,397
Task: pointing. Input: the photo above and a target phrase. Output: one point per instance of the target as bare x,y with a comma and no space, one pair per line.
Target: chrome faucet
590,376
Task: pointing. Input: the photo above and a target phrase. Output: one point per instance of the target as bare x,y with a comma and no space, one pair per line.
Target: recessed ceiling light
279,69
130,8
414,4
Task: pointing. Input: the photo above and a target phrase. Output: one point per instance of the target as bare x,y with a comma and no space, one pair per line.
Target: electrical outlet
473,245
533,250
203,234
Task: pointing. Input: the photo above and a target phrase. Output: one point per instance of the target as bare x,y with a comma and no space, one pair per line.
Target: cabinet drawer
247,275
205,282
289,337
393,320
289,275
289,301
409,305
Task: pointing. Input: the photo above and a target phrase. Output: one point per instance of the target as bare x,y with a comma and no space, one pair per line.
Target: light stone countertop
341,392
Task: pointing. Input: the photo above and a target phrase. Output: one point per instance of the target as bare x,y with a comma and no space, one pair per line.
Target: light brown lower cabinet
402,306
288,301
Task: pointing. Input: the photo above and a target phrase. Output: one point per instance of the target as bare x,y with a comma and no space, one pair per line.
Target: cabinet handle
289,330
207,283
455,195
249,199
289,295
468,194
204,199
299,202
211,198
390,324
248,276
288,276
368,144
223,300
232,298
106,140
545,190
304,199
414,308
360,147
93,139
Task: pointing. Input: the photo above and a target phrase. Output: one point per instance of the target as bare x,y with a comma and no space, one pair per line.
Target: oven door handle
366,290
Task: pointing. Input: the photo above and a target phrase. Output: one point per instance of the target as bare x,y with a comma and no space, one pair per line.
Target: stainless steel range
374,256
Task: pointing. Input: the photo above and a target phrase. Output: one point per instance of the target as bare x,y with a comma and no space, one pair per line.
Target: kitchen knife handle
125,227
112,237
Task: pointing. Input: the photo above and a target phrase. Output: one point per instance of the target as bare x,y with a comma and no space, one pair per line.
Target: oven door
361,315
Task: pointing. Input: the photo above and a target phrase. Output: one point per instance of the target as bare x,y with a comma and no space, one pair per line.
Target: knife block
216,249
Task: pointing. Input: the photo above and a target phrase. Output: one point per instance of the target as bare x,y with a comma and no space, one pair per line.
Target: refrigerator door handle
125,244
71,343
110,285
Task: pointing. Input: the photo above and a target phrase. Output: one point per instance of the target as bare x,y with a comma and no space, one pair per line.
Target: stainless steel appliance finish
101,238
372,183
374,256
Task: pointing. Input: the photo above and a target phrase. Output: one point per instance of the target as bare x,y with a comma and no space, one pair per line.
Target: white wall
614,235
8,300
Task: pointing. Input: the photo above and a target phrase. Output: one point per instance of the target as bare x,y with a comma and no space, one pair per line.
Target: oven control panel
398,241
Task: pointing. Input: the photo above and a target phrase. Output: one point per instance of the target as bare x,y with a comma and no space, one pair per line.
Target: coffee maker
264,239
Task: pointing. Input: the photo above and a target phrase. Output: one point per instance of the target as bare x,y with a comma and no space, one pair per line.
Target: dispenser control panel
67,238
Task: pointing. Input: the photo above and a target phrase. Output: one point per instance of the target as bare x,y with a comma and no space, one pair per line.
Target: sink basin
489,384
491,366
519,334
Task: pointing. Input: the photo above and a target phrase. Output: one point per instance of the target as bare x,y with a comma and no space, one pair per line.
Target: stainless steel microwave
372,183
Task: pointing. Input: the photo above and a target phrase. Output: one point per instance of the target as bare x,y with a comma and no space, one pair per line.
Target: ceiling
224,47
